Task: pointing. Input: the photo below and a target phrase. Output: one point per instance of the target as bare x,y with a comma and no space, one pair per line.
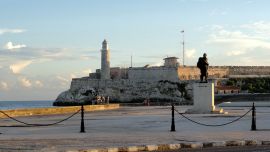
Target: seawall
242,97
56,110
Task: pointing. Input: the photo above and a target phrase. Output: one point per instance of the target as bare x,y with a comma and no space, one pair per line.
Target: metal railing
82,128
253,122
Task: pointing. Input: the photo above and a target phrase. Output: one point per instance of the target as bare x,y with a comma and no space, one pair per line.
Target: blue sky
44,44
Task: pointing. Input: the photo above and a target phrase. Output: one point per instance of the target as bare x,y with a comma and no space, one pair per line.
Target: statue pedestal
204,99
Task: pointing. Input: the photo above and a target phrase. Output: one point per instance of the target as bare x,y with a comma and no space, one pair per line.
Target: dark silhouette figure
202,64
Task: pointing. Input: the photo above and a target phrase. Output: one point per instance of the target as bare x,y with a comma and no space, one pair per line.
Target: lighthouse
105,61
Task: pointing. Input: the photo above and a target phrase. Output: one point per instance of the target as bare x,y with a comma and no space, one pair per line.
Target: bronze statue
202,64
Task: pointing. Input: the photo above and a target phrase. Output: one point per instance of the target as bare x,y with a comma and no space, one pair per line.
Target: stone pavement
129,126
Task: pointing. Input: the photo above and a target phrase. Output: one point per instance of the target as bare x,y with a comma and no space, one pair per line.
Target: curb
177,146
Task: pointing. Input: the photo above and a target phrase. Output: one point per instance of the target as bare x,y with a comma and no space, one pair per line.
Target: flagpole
183,34
131,61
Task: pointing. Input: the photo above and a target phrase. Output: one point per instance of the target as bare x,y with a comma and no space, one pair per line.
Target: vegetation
252,85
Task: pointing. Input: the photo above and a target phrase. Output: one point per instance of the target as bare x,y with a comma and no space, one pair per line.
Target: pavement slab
130,126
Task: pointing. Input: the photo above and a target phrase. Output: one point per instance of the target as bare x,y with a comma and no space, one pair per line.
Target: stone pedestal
204,99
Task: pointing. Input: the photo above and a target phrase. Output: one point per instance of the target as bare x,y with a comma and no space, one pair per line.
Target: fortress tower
105,61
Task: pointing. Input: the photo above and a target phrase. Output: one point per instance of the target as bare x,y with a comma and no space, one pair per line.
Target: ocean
4,105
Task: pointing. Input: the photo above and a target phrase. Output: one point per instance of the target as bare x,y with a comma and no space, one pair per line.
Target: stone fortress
135,84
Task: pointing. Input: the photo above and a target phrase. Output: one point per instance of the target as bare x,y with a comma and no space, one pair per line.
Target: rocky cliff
124,91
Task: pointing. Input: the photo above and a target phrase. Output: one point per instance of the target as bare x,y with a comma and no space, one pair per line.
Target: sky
44,44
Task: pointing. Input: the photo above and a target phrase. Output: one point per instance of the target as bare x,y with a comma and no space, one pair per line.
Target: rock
75,97
124,91
65,96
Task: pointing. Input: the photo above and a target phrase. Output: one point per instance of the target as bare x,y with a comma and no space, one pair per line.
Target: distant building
155,82
171,70
171,62
227,90
105,61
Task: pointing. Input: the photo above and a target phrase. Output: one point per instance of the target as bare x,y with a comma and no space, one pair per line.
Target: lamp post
183,43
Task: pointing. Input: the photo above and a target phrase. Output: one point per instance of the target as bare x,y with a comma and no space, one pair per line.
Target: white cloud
38,83
3,85
53,55
25,82
4,31
62,78
190,53
260,28
73,76
160,63
84,57
86,71
234,53
19,66
240,41
10,46
63,81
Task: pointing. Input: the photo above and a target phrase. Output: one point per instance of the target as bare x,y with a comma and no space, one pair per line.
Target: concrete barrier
56,110
168,147
235,143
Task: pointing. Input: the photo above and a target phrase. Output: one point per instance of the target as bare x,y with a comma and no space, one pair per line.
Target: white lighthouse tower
105,61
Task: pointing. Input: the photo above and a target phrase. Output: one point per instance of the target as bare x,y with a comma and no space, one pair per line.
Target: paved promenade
129,126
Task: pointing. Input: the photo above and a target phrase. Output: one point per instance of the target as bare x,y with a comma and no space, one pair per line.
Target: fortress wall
192,72
97,83
218,72
188,73
153,73
84,82
249,70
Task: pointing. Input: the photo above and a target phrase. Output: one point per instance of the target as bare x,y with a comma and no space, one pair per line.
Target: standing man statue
202,64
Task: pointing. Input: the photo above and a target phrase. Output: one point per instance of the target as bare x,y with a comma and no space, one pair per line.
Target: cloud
3,85
63,81
88,57
235,53
19,66
10,46
241,40
48,54
260,28
190,53
86,71
160,63
39,84
152,56
25,82
246,44
4,31
72,75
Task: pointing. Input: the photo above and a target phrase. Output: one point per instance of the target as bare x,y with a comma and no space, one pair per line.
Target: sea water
4,105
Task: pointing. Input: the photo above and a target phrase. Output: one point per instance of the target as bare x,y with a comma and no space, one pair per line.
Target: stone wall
56,110
184,72
127,90
193,73
153,73
249,70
